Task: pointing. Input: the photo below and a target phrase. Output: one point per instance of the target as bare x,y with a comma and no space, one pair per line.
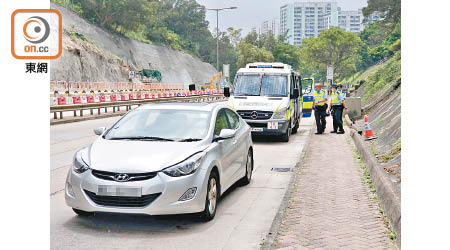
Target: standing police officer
320,108
337,103
341,91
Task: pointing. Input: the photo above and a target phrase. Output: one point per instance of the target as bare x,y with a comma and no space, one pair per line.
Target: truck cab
268,97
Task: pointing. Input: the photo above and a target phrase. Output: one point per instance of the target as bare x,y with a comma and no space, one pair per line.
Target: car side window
221,122
233,119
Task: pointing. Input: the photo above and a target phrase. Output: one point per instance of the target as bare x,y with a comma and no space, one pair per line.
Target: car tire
82,213
248,169
212,197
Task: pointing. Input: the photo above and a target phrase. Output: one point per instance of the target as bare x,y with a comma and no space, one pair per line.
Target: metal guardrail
127,104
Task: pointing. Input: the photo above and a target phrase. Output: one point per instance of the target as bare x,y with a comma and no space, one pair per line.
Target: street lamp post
217,32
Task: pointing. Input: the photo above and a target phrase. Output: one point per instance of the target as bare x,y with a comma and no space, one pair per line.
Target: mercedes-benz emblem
254,115
121,177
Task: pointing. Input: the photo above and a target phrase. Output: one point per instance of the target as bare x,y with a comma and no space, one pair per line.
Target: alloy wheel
249,166
212,195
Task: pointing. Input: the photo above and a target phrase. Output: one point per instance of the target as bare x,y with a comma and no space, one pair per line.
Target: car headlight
280,114
78,165
186,167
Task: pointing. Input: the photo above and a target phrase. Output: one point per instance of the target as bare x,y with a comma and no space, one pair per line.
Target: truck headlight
280,114
78,165
186,167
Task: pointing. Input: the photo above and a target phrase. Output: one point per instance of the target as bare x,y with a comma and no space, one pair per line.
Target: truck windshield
247,85
273,85
261,85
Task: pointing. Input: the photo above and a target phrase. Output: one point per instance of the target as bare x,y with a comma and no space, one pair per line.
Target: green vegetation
267,48
382,78
181,25
394,152
334,47
392,235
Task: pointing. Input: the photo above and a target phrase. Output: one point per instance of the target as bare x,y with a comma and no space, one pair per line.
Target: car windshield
164,124
261,85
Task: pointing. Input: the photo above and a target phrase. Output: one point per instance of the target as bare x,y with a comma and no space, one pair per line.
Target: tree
334,47
285,53
391,8
278,47
112,14
250,53
234,35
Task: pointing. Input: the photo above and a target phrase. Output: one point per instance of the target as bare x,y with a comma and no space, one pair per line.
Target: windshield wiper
190,139
142,138
245,94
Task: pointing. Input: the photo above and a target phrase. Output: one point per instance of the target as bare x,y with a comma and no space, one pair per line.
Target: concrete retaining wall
389,196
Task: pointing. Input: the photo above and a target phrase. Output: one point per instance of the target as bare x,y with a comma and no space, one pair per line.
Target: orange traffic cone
368,133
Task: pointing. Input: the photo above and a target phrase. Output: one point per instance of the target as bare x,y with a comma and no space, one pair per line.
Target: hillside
93,54
381,101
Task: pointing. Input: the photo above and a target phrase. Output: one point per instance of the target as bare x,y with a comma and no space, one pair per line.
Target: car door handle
234,141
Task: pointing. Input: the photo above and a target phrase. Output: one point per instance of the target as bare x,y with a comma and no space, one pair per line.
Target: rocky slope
93,54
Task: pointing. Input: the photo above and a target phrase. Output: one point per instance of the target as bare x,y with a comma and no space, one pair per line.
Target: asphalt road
244,215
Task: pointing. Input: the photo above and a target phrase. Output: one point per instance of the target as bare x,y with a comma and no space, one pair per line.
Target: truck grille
255,114
257,125
122,201
109,176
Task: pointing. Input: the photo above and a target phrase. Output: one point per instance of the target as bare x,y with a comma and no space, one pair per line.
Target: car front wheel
212,194
248,169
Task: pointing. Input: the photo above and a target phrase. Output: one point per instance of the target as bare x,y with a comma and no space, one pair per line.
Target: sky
251,13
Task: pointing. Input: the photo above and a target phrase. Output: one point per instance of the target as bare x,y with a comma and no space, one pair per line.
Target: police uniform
320,110
344,95
337,106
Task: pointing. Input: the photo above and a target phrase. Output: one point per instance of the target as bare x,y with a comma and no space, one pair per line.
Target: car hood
124,156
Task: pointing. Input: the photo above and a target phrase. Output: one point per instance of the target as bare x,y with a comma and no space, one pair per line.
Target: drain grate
281,169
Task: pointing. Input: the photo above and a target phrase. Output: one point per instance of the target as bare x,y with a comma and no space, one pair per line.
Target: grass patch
386,75
392,235
394,152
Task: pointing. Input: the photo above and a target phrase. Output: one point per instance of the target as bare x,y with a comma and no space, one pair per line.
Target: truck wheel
295,128
285,137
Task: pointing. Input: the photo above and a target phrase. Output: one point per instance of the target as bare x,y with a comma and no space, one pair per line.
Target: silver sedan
162,159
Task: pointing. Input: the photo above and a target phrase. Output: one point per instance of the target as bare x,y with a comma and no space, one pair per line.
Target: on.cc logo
36,29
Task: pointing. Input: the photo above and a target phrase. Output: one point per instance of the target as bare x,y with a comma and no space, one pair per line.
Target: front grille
122,201
109,176
257,125
250,114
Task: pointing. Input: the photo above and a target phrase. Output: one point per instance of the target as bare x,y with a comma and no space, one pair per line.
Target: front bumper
283,126
171,189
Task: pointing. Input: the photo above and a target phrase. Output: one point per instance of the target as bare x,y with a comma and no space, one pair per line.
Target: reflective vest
335,98
319,96
342,93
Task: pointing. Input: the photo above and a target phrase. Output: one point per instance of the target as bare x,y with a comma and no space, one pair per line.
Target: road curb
389,196
276,223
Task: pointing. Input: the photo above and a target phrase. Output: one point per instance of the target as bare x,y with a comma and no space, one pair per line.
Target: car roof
200,106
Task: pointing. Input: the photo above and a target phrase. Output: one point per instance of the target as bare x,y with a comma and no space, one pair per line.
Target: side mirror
295,94
99,130
226,92
225,134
